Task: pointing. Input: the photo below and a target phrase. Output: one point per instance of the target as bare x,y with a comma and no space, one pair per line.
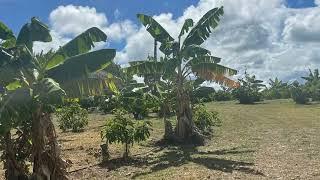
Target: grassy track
270,140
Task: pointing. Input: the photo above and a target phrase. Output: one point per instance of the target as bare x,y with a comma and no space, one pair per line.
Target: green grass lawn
269,140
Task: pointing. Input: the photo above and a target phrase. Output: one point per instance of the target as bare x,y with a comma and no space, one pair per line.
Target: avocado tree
183,58
34,85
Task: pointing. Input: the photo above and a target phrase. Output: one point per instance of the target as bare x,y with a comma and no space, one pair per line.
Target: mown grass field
269,140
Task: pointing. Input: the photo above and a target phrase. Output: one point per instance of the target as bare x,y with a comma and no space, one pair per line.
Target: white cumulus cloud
261,36
68,21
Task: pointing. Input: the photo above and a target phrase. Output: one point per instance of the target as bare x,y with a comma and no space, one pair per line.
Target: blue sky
16,12
265,37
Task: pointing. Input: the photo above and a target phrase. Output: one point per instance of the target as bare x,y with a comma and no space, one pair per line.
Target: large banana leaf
203,59
82,65
79,45
11,68
5,32
203,28
146,67
214,72
49,92
86,86
188,23
33,31
194,51
155,29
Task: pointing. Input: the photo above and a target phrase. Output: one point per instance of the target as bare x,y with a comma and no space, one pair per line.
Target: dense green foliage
225,94
277,90
34,85
313,84
299,93
122,129
204,119
72,116
184,56
203,94
249,90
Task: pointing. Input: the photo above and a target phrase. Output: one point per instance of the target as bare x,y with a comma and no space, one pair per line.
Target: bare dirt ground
270,140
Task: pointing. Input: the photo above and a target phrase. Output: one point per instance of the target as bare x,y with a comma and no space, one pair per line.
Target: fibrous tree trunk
47,163
13,168
186,130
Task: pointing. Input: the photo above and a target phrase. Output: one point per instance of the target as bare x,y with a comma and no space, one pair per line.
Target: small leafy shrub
135,103
72,117
123,129
87,102
299,93
249,90
203,94
204,119
223,95
109,104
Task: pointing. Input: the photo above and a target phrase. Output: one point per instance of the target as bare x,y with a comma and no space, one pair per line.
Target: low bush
223,95
123,129
72,117
249,90
109,104
204,119
299,93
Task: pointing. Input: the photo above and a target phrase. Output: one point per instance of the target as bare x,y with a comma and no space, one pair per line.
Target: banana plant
313,84
35,83
185,57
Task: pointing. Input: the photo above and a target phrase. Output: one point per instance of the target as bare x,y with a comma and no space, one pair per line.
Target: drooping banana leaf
214,72
33,31
82,65
79,45
155,29
203,28
19,63
49,92
75,74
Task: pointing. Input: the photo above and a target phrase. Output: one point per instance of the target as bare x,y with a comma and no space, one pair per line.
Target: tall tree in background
184,58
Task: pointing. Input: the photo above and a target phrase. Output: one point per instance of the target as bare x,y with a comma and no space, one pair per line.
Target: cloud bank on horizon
263,37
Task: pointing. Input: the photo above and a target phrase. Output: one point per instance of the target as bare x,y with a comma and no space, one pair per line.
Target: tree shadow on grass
178,156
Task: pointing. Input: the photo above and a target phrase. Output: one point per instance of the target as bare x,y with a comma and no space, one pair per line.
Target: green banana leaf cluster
187,55
30,79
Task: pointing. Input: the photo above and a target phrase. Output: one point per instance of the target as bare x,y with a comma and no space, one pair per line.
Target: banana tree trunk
184,115
186,130
13,169
47,163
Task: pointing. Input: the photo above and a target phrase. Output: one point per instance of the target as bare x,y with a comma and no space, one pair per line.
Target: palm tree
32,85
183,58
